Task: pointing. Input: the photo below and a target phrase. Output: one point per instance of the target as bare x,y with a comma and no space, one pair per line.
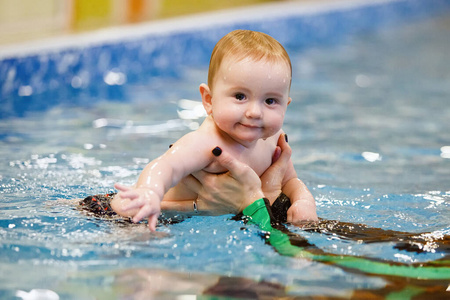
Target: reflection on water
445,151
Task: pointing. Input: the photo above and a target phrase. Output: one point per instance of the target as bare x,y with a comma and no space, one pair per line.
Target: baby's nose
253,110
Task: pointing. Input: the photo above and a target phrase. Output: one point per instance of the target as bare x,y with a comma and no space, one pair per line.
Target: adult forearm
198,207
184,206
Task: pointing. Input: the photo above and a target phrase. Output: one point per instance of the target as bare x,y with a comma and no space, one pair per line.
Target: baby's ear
289,100
205,92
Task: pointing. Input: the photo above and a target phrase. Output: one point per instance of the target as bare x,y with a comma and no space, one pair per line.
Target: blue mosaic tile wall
79,75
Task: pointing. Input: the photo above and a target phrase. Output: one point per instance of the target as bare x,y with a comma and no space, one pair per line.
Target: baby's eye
240,96
270,101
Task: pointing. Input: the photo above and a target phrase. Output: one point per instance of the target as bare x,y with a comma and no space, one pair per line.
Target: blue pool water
369,128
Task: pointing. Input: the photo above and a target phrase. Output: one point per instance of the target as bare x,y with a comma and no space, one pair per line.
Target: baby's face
249,98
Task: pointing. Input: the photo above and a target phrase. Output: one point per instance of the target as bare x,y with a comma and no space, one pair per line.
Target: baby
246,99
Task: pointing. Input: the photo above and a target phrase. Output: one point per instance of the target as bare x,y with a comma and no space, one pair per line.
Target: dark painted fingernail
170,146
217,151
286,138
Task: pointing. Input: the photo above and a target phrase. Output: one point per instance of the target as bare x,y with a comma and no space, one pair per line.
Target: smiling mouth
250,126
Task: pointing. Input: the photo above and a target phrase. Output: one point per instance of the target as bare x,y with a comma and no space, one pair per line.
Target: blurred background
25,20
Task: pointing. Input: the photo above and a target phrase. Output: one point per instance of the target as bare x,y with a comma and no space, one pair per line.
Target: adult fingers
286,150
243,174
280,166
276,154
238,170
272,179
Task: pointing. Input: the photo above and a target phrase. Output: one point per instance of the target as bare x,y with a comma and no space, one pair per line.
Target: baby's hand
302,210
145,200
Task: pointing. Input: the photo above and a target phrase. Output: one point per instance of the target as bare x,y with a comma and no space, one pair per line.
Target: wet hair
246,43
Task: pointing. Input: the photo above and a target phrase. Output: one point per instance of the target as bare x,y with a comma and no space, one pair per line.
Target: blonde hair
246,43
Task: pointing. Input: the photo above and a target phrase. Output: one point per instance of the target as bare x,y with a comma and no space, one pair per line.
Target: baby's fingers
136,204
301,211
132,195
122,188
146,211
152,221
290,216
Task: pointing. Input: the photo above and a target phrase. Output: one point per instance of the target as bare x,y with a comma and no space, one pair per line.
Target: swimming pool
368,126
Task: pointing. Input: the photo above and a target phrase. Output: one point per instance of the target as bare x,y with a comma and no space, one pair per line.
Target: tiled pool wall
78,74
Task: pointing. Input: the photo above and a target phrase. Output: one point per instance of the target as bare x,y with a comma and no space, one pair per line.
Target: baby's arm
303,205
191,153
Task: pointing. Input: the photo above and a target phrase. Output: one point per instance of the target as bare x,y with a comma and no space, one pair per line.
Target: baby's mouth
252,126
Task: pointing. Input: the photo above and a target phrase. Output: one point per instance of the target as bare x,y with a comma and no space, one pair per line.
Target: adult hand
229,192
272,179
232,191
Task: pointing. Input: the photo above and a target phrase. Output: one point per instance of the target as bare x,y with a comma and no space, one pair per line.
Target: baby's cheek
225,115
274,128
276,120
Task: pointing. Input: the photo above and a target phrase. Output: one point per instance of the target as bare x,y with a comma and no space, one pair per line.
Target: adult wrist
177,206
251,199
